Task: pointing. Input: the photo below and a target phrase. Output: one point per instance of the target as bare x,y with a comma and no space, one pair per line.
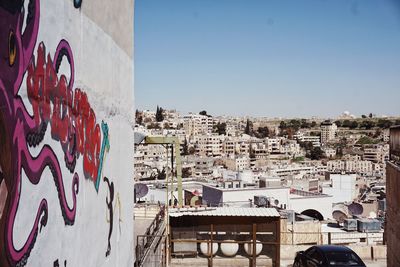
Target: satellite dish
141,190
339,216
340,212
355,208
276,202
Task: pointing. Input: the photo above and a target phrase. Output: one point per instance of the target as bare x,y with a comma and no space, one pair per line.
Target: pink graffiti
72,120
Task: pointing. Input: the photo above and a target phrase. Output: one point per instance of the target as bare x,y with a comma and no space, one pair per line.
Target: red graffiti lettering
73,121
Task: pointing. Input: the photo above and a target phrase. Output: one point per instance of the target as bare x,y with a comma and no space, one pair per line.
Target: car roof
331,248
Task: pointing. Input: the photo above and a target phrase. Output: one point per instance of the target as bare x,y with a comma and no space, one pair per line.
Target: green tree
367,124
316,153
263,132
353,124
159,114
186,172
204,113
370,115
185,148
313,124
346,123
363,116
249,127
220,128
305,123
384,123
338,123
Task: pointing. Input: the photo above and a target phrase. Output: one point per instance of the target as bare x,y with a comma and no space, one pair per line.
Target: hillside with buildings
326,179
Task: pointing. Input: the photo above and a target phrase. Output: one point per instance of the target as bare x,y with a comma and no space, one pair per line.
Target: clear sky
268,58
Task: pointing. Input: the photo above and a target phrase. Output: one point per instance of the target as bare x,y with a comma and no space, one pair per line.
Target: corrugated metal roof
245,212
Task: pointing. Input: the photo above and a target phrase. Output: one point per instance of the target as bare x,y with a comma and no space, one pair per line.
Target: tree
353,124
139,117
220,128
203,112
313,124
316,153
159,114
304,123
186,172
370,115
384,123
263,132
185,148
367,124
252,155
338,123
249,127
363,116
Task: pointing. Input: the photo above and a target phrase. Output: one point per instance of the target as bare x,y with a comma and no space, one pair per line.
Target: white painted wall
104,71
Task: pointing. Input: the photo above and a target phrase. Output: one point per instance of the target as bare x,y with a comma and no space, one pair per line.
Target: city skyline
267,59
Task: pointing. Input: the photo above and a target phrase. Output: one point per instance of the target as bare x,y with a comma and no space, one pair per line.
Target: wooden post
254,263
211,244
278,245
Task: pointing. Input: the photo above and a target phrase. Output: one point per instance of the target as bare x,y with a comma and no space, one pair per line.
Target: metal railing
153,238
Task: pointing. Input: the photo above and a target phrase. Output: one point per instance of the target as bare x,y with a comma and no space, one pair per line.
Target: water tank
350,224
205,248
368,225
249,248
229,249
246,176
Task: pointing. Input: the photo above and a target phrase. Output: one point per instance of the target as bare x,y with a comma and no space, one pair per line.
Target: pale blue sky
268,58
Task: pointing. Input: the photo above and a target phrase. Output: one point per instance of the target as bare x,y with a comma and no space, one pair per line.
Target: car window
316,256
342,258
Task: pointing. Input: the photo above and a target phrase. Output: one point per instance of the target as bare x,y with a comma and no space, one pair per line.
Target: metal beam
173,140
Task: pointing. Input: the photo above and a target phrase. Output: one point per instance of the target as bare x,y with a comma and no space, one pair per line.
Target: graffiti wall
66,137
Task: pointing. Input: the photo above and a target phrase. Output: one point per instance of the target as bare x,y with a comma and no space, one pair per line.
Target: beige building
195,124
328,131
208,145
376,153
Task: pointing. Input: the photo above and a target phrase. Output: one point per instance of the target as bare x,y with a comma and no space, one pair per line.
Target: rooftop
225,211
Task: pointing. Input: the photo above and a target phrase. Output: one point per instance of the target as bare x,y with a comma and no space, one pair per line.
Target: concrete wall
66,99
322,204
393,214
366,253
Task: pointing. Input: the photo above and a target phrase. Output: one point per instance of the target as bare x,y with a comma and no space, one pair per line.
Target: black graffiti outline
109,204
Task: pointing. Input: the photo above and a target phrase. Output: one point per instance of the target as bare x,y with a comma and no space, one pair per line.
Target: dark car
326,256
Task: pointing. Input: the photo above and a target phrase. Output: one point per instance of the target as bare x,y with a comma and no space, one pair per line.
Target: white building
328,131
342,187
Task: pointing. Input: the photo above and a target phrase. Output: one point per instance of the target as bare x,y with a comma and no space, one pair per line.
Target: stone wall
393,214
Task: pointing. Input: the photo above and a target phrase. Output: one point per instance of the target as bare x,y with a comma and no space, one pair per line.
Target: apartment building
362,167
376,153
195,124
208,145
229,147
328,131
314,140
239,163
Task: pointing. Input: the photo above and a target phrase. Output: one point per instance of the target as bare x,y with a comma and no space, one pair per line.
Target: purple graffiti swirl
19,130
